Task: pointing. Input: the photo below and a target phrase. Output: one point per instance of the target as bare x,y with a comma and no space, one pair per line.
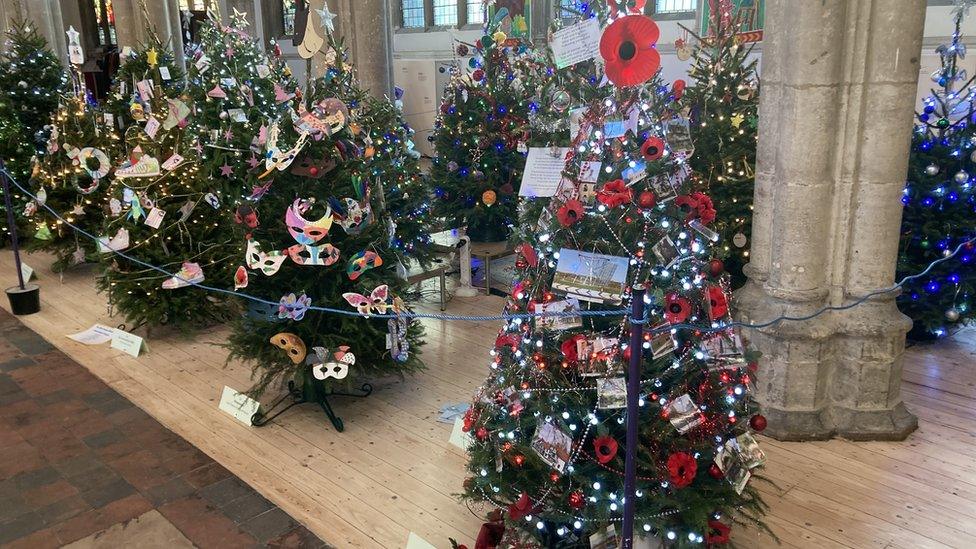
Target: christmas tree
71,179
335,214
940,205
724,102
547,426
32,82
482,132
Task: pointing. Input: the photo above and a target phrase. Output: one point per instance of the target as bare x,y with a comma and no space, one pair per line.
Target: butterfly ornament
375,302
338,367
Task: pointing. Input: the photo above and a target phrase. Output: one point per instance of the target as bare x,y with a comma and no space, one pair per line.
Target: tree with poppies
337,211
724,102
482,132
547,426
940,205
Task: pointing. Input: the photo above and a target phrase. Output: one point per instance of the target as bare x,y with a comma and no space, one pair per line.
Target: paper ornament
376,300
338,368
362,262
240,278
302,230
304,254
75,54
267,263
293,307
291,344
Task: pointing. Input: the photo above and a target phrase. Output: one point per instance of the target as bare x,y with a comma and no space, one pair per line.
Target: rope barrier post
633,390
24,298
465,289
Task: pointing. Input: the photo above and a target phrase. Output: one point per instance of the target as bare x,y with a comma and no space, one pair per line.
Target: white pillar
839,81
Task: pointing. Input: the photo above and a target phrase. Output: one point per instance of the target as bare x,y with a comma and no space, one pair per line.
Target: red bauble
576,500
678,89
758,423
716,266
715,471
646,200
478,75
481,433
313,171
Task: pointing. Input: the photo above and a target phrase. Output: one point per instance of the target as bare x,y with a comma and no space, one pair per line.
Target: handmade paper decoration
145,166
326,118
325,19
246,215
190,273
376,300
304,231
362,262
177,115
309,41
267,263
240,278
304,254
337,368
115,244
293,307
217,92
354,215
399,346
275,158
75,54
281,95
82,157
291,344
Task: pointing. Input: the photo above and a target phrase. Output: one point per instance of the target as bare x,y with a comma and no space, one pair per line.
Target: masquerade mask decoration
293,307
326,118
267,263
291,344
338,368
302,230
240,278
303,254
362,262
311,168
354,215
376,300
246,215
275,158
399,346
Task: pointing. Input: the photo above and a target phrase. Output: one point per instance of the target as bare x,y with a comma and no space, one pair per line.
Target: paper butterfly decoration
303,254
338,368
292,345
267,263
293,307
303,230
362,262
376,300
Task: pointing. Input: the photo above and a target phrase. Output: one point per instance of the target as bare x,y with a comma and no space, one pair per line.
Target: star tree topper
326,17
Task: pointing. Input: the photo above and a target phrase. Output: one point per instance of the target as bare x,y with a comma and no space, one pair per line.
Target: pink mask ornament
303,254
362,262
376,300
267,263
302,230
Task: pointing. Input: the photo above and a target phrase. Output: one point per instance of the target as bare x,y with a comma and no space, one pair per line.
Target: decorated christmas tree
940,205
32,82
724,102
547,426
483,129
71,178
333,218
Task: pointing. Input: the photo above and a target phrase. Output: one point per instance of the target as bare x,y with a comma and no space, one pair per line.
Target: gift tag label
26,271
239,405
237,115
152,127
109,119
164,73
172,162
155,218
263,71
145,89
211,198
130,344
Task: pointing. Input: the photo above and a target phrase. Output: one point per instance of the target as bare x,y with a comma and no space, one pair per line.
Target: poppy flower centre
627,50
675,308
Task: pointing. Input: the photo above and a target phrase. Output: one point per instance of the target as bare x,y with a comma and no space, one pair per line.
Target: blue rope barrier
514,316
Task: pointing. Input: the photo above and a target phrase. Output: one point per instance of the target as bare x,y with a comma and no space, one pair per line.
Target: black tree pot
25,301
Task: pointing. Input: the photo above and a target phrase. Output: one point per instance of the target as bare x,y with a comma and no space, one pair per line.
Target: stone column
366,28
839,81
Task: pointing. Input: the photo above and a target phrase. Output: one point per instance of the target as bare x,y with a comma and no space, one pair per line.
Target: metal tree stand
311,391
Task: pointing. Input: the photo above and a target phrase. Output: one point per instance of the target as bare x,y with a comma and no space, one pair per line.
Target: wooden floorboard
393,471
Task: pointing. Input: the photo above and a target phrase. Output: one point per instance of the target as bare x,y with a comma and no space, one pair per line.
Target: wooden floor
393,471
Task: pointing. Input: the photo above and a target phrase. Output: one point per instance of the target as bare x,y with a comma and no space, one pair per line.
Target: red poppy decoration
615,193
718,303
605,448
678,89
570,212
521,508
577,500
718,533
627,48
682,469
677,308
568,347
470,417
527,252
511,341
698,205
478,75
653,148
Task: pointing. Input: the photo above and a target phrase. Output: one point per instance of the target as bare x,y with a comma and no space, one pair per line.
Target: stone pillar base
803,425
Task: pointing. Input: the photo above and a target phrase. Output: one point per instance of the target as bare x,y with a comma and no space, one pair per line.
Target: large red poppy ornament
682,469
718,303
570,212
615,193
605,448
627,48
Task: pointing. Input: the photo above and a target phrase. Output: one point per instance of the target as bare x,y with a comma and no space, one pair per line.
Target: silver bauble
952,315
931,169
961,177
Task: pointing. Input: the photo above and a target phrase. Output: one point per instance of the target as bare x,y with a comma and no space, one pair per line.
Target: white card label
155,218
239,405
109,119
590,171
263,71
164,73
543,171
458,437
172,162
577,43
130,344
417,542
96,335
26,271
152,127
